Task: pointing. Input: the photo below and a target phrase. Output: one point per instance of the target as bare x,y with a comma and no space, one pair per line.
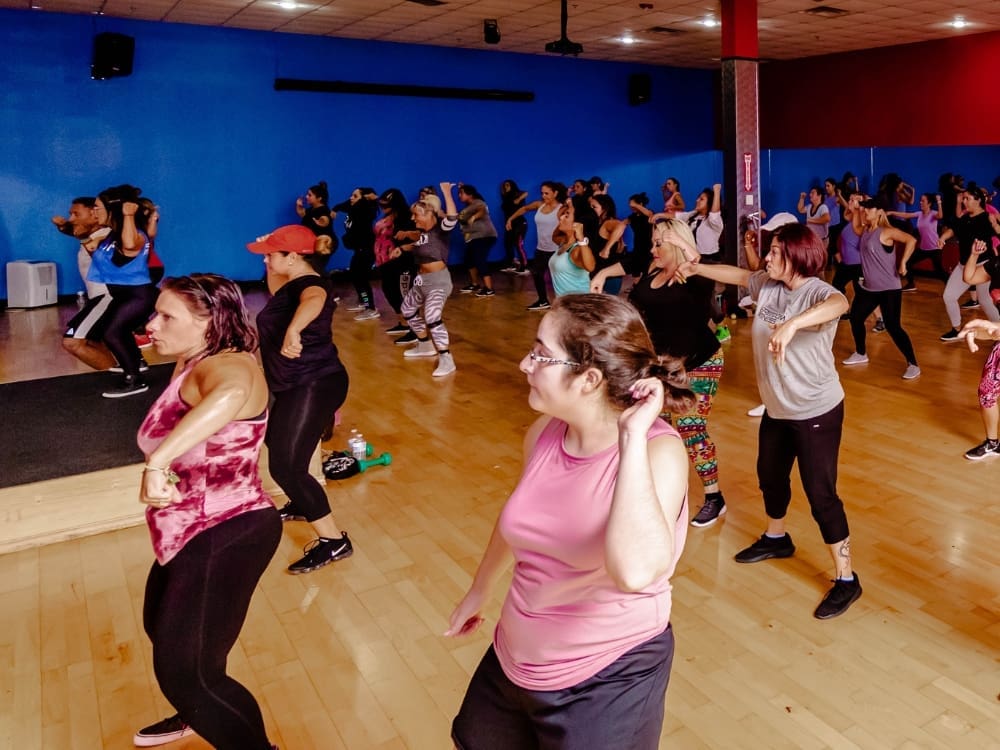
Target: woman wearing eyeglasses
423,305
792,333
677,316
581,654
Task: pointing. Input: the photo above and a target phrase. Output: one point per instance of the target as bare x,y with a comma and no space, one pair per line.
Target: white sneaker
367,314
446,365
856,359
422,349
912,372
356,307
757,411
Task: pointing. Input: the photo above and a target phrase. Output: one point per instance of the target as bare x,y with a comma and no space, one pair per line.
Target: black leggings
540,267
298,418
131,307
513,244
891,302
815,443
392,272
845,273
194,610
360,273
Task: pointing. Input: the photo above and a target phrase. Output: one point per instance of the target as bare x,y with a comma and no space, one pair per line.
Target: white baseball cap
779,220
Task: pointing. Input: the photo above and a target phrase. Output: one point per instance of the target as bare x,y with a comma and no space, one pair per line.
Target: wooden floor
352,657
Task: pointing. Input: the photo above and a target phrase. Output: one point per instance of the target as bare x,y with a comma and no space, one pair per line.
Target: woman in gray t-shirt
793,332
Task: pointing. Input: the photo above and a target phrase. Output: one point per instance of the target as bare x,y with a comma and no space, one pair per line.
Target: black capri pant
297,421
815,443
477,252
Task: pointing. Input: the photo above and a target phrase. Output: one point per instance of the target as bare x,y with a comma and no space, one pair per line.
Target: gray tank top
878,263
546,224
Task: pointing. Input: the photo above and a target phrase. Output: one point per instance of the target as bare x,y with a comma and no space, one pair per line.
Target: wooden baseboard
56,510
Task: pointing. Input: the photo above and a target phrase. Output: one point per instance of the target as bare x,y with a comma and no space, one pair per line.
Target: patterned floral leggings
693,425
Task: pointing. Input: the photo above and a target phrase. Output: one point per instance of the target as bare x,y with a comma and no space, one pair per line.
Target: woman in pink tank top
582,651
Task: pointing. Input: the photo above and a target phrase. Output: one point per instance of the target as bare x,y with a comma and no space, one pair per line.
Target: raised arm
801,207
449,199
533,206
639,542
132,239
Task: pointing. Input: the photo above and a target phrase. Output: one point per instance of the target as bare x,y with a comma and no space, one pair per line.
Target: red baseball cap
291,238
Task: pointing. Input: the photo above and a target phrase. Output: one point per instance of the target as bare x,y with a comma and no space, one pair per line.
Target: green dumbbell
384,460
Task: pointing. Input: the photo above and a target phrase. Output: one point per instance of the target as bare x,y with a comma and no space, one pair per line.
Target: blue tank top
878,263
133,273
567,277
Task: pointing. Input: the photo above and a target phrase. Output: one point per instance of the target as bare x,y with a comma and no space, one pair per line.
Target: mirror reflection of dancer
214,529
423,305
582,652
793,332
306,378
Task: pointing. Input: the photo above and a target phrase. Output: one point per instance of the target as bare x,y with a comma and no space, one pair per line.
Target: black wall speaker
112,56
640,88
491,31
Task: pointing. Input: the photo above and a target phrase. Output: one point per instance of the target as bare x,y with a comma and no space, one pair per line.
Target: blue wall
199,127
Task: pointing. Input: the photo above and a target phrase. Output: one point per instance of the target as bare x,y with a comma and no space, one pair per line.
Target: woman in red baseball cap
306,377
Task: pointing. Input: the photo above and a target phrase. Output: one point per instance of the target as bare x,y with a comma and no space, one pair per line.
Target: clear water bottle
360,448
352,441
81,299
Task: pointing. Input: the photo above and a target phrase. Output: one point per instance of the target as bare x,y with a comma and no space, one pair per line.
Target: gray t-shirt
481,227
806,385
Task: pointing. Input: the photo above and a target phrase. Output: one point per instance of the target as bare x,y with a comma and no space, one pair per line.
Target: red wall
939,93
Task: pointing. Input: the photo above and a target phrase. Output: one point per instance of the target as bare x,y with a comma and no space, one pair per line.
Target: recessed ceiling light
628,39
287,5
959,23
708,22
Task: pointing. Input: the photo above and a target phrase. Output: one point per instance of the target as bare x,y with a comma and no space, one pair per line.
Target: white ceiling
786,30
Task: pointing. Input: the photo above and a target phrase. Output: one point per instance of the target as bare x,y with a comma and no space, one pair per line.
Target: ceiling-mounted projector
562,45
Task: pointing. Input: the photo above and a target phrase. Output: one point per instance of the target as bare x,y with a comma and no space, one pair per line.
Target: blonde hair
681,229
428,203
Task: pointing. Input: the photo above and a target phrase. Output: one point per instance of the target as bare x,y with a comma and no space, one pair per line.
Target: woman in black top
974,224
313,210
642,233
511,199
677,316
306,377
360,239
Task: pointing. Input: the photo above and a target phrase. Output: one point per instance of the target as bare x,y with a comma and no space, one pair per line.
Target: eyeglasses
551,361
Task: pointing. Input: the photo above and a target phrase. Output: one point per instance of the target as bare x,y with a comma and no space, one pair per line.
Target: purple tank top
850,247
878,263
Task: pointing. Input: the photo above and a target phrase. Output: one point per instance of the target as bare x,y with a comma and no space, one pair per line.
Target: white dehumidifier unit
31,283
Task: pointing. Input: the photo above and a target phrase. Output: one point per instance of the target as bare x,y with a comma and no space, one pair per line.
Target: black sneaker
469,289
143,367
970,304
130,387
765,548
839,598
985,449
289,512
397,329
949,336
164,731
539,305
320,552
879,326
911,287
407,338
710,512
484,292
